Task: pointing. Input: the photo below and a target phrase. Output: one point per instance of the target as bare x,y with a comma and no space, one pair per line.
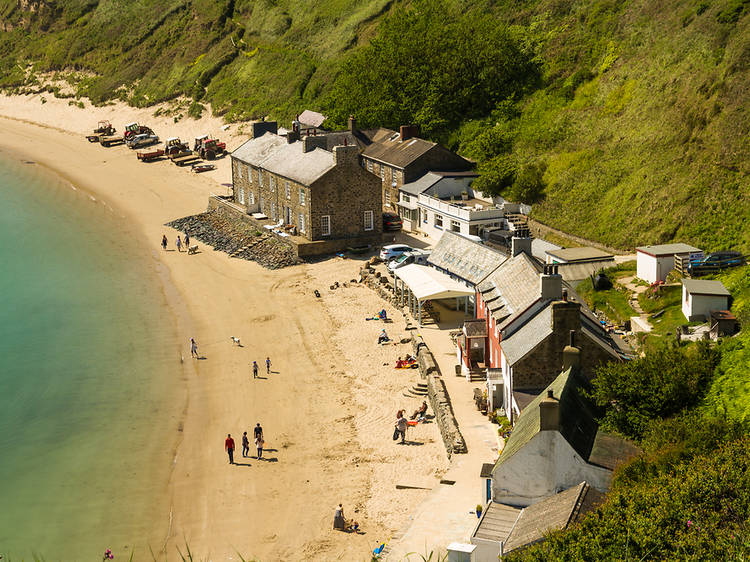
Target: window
273,210
301,195
455,226
369,165
301,223
325,225
369,224
424,216
405,198
288,190
252,198
438,221
249,174
388,197
382,172
242,196
260,177
272,183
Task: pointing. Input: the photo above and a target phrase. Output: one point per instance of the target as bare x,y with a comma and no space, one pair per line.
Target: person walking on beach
339,523
259,445
401,426
258,431
245,444
164,241
194,348
178,243
268,365
187,240
255,370
229,447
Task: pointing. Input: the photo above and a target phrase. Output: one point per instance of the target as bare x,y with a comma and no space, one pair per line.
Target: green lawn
613,302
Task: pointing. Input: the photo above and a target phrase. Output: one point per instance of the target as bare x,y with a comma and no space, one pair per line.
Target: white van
407,258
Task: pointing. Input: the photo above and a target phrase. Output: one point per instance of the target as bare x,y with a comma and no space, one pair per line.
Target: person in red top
229,447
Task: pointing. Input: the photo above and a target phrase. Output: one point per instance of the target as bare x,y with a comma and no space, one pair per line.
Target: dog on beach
236,340
193,249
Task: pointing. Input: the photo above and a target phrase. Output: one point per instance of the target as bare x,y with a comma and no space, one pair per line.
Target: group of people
341,524
178,242
258,440
402,423
408,363
255,367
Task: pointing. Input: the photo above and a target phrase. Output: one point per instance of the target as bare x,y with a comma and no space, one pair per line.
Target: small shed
701,296
723,323
577,255
655,262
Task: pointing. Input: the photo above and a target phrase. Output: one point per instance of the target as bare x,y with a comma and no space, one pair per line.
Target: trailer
111,140
174,146
103,129
185,160
149,155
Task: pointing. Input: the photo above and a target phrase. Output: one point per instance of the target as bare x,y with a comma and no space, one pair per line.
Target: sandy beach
327,407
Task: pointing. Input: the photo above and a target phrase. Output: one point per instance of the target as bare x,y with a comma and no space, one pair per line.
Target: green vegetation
614,302
626,122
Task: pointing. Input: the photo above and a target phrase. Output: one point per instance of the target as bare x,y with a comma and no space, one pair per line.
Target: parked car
392,251
408,258
139,141
391,221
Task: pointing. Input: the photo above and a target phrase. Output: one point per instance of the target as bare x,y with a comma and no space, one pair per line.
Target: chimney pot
352,124
565,294
550,393
549,413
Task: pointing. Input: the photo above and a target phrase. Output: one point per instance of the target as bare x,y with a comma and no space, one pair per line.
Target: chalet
655,262
306,185
700,297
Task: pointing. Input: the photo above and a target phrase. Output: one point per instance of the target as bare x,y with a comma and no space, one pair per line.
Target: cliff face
635,131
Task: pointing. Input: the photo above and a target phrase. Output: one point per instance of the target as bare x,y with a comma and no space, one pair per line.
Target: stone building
307,186
399,157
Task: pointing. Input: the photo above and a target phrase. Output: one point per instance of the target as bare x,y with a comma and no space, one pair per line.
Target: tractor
174,146
209,148
104,128
132,129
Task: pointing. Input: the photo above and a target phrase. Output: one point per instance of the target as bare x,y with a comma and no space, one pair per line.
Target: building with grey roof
307,187
464,259
655,262
701,297
561,420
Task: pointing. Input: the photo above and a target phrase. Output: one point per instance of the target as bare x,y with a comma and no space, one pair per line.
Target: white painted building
655,262
700,297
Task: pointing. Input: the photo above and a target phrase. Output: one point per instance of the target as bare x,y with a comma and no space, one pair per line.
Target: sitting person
354,527
383,337
400,363
410,358
383,315
420,412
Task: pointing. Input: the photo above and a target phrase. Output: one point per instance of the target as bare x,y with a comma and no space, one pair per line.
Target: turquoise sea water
89,376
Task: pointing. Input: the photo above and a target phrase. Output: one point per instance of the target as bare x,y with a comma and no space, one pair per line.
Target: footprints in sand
262,319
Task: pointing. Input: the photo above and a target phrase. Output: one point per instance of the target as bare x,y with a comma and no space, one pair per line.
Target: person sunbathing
400,363
420,412
383,315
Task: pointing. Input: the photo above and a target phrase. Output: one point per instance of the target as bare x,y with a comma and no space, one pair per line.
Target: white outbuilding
655,262
700,297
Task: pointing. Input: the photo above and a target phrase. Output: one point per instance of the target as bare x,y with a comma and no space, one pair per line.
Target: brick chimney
550,283
571,354
549,413
521,242
566,316
352,124
407,132
346,154
312,142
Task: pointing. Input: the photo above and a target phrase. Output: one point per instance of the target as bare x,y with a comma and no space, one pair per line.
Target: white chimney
521,242
550,283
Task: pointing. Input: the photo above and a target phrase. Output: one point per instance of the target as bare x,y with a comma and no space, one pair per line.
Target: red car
391,221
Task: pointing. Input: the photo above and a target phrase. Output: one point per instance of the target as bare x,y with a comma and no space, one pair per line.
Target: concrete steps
419,390
477,377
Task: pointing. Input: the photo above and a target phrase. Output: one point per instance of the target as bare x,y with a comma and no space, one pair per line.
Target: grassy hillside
624,121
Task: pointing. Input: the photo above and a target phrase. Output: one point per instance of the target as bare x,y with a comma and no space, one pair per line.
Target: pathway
447,514
638,323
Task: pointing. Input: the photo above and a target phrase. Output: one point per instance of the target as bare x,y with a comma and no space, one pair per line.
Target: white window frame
272,183
288,190
369,220
325,225
382,172
369,165
455,223
301,222
405,198
252,197
241,196
302,196
260,177
388,197
249,175
435,220
273,210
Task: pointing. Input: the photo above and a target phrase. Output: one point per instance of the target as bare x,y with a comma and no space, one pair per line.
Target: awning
428,283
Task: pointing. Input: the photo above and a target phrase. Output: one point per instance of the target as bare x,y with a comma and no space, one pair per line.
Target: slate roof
532,333
497,521
578,424
667,249
385,145
476,328
540,247
705,287
273,153
512,287
551,514
312,118
422,184
464,258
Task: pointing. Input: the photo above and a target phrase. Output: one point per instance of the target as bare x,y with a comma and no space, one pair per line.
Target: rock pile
237,238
